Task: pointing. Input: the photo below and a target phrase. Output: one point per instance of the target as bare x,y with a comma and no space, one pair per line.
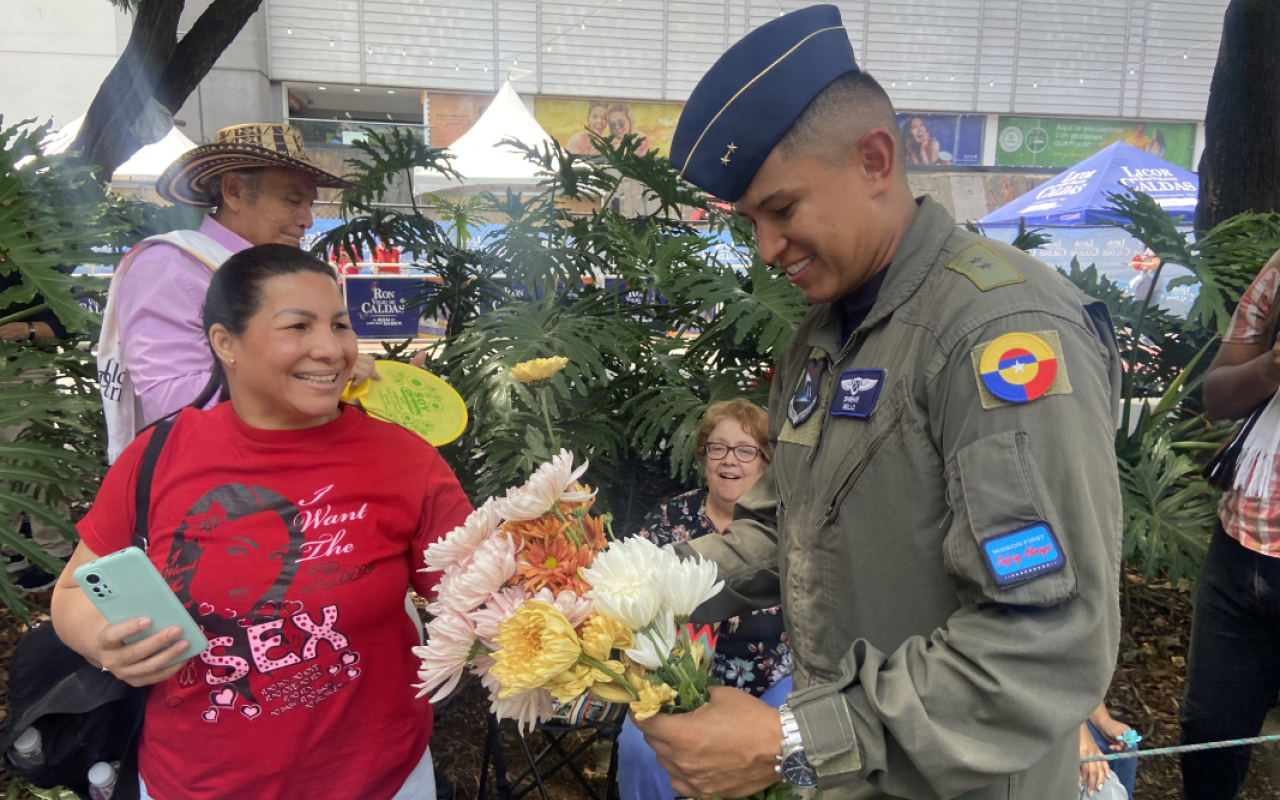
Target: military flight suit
919,674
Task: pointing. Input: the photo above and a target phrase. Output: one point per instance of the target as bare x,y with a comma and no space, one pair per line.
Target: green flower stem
546,416
573,536
613,676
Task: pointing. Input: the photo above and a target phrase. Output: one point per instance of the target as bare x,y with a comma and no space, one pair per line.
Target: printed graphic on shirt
259,634
1019,367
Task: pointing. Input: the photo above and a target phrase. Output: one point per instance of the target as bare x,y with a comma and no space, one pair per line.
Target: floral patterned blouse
752,652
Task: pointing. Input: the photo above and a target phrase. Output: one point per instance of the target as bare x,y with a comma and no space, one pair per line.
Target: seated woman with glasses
751,652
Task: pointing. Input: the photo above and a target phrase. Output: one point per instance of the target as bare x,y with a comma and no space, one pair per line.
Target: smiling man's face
819,222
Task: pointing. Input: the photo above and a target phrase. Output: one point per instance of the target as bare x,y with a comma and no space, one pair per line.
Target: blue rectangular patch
857,391
1023,554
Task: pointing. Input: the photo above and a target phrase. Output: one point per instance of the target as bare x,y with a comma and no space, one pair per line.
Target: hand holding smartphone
125,585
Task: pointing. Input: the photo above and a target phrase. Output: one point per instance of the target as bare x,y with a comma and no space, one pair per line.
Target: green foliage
655,325
54,217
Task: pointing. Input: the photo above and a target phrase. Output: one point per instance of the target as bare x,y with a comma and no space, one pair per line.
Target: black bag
84,715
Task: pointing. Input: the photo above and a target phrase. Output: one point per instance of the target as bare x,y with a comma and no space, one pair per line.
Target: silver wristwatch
792,765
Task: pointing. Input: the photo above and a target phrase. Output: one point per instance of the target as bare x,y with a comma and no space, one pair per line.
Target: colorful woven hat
192,178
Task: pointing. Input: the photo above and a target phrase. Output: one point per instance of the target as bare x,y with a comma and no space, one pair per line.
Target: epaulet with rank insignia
985,267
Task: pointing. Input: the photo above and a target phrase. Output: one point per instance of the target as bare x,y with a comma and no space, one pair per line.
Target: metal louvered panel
315,40
1173,86
617,54
928,48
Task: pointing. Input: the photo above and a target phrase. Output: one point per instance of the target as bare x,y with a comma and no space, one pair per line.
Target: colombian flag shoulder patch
1017,368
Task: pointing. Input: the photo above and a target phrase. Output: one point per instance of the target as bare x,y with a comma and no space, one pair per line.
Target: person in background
1157,147
921,148
1115,779
732,445
152,357
622,123
1139,138
1233,665
40,326
291,538
598,123
1146,264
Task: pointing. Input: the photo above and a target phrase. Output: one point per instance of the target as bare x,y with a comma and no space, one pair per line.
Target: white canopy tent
478,157
143,168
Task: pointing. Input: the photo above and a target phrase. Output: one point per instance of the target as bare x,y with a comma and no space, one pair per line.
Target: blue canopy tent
1074,209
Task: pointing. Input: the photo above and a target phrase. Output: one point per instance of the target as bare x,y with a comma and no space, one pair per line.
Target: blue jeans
1233,668
639,775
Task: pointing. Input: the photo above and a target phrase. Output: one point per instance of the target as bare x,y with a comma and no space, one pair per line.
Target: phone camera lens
93,579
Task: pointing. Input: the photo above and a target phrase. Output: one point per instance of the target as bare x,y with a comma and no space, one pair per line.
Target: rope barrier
1185,748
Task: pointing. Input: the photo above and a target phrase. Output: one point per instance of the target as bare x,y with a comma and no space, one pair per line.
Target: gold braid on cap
748,86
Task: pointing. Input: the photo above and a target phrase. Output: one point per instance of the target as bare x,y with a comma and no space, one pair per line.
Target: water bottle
27,752
102,781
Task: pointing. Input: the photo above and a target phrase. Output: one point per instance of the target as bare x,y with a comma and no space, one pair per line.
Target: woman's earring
231,361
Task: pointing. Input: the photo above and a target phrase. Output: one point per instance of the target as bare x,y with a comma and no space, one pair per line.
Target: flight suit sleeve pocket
1005,544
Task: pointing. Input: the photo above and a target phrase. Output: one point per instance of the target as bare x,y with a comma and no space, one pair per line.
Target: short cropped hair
750,416
838,117
250,181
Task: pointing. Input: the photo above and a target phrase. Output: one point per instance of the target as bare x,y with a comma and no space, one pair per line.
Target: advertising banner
942,139
567,122
451,115
377,305
1060,143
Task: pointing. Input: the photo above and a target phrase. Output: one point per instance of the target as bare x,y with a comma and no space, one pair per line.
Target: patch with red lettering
1023,554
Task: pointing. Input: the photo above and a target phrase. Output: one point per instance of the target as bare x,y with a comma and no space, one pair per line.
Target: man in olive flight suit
941,521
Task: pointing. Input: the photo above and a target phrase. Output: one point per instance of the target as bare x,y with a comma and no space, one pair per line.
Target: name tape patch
857,391
1023,554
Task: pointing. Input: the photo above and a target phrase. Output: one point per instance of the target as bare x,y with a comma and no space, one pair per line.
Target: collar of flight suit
911,263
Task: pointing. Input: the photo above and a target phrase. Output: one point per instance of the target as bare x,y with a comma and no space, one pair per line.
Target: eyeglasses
744,452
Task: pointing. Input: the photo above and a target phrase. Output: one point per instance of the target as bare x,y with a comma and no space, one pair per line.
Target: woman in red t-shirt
290,526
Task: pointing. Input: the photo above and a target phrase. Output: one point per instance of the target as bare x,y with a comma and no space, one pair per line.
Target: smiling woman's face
598,119
294,357
729,478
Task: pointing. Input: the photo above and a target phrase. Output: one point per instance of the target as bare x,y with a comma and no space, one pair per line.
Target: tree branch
199,50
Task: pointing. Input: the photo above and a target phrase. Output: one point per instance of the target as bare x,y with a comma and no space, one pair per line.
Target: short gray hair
250,181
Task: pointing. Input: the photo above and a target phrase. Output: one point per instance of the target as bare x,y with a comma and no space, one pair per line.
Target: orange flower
547,527
594,528
553,563
568,509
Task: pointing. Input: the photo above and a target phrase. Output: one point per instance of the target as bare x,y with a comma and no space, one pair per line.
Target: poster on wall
451,115
939,140
567,121
381,306
1061,143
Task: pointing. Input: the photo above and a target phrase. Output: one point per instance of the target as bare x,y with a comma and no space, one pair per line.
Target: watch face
797,772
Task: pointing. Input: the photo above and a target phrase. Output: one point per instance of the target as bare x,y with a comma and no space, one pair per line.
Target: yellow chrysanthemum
652,698
539,369
535,645
611,692
601,635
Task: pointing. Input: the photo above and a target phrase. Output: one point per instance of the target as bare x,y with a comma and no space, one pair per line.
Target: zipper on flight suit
855,339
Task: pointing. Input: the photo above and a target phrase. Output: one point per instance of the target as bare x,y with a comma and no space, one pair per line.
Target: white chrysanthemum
625,581
491,566
688,583
450,643
552,483
654,644
575,608
496,610
455,548
525,708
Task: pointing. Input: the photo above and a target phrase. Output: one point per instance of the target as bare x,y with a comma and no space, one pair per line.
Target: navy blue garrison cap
748,99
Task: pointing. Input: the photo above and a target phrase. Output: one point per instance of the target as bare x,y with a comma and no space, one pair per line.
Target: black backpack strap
146,471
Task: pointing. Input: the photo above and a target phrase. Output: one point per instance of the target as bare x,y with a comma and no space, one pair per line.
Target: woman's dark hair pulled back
235,295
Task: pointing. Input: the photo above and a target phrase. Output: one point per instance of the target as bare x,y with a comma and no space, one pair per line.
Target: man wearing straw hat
152,357
941,520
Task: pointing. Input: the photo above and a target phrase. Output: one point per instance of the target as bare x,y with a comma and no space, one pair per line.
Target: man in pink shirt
153,358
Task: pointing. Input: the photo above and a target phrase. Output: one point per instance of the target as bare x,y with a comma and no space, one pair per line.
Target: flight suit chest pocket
1005,544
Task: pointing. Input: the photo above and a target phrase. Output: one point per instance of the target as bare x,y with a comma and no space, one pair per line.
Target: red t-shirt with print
293,550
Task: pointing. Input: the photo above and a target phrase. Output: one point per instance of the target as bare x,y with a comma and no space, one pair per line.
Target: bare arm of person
82,627
1239,380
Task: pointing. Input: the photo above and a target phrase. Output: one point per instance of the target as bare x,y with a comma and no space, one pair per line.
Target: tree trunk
155,65
1240,168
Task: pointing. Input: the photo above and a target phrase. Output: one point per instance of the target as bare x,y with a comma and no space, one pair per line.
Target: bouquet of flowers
541,604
